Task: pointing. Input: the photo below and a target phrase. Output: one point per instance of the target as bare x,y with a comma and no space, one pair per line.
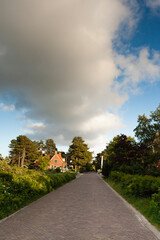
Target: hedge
18,186
137,185
140,186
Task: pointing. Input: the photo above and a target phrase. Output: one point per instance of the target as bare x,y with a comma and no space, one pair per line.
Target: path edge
143,221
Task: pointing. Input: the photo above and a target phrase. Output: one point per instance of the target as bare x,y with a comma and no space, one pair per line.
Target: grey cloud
153,3
57,62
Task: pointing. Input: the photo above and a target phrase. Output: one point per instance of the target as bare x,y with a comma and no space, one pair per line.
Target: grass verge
142,204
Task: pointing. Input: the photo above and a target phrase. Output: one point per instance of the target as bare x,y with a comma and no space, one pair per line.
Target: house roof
59,156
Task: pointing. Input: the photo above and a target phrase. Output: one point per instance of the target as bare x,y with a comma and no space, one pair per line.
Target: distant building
58,162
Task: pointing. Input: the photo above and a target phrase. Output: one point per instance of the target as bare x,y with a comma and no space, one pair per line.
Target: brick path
84,209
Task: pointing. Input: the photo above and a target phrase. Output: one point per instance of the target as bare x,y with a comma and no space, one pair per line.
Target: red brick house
58,162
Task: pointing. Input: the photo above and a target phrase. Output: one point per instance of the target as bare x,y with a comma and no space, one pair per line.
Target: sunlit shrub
19,186
137,185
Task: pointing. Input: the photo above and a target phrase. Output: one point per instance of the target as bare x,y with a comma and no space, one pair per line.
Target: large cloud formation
153,3
58,64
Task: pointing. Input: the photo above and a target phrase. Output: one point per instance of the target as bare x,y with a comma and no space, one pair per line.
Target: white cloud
101,123
36,126
32,128
137,69
153,3
60,66
7,108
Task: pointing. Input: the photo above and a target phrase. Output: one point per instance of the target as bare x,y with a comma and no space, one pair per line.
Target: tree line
36,154
141,156
24,151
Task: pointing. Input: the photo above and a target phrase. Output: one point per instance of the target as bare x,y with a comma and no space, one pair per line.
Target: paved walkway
84,209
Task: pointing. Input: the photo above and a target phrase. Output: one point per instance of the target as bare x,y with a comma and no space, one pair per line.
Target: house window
55,161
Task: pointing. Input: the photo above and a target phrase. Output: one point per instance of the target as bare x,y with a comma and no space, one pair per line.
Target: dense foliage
42,162
79,154
50,147
25,151
19,186
140,186
124,154
136,184
148,129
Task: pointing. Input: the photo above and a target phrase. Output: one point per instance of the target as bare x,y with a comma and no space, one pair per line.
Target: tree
79,153
121,150
1,158
97,161
148,128
156,143
50,147
42,162
144,130
23,151
120,154
148,134
40,146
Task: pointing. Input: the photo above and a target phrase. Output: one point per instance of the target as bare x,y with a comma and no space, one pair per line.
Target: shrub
155,203
20,186
58,170
106,170
4,166
137,185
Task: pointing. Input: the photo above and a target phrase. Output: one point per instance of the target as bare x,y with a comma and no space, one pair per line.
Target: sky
77,68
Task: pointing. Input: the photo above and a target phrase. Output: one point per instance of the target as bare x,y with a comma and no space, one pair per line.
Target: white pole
101,162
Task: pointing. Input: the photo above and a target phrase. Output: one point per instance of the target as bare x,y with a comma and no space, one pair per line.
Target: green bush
4,166
146,187
155,203
19,186
106,170
137,185
58,170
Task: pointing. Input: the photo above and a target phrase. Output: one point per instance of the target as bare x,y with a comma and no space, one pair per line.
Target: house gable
57,161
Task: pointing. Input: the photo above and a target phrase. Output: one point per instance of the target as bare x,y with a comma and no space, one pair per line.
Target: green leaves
79,153
137,185
50,147
23,151
148,127
19,186
43,162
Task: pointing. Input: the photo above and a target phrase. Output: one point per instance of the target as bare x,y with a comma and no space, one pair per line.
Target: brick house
58,162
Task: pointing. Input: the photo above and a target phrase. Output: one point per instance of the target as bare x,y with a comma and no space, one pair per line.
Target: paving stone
84,209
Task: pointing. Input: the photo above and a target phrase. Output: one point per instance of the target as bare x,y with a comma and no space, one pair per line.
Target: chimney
55,152
60,153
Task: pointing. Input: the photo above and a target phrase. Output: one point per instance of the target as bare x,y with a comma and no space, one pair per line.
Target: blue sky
81,72
146,34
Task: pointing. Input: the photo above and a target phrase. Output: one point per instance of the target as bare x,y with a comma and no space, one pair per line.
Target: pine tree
23,151
50,147
79,153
